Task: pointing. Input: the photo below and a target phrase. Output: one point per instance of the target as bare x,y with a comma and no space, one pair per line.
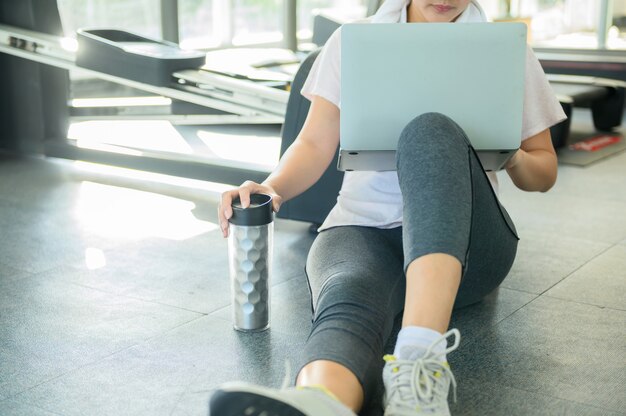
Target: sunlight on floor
94,258
116,212
105,172
138,134
263,151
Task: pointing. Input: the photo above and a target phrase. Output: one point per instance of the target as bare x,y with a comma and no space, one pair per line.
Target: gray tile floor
114,299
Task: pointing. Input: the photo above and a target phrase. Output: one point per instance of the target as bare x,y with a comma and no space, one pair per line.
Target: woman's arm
534,166
300,167
308,157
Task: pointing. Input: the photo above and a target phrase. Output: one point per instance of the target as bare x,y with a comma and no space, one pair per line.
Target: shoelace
422,383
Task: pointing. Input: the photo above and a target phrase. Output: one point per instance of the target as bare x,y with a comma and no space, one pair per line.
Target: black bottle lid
259,212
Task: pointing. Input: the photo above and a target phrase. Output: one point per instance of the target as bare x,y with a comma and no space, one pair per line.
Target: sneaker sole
244,403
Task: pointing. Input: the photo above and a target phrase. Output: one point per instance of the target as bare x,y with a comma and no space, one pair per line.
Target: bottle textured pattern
250,263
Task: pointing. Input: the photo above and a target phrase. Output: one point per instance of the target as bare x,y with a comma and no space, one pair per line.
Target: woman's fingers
225,210
276,202
247,188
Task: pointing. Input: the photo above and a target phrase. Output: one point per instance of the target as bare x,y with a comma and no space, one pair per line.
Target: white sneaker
421,386
243,399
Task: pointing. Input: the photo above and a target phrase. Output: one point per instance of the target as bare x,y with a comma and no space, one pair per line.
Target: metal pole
605,22
290,24
169,20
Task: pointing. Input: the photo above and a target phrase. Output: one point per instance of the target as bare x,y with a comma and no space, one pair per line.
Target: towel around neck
391,11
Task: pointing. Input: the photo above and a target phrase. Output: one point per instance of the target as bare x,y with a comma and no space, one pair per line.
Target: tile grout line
518,290
136,298
554,397
31,405
579,267
537,296
511,314
585,303
100,359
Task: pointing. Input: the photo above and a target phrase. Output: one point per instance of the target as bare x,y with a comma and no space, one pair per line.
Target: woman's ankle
335,380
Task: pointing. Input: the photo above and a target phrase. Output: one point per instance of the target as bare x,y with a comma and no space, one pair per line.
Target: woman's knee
432,130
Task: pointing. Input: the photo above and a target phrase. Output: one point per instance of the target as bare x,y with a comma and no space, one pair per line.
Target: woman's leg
458,246
357,286
453,223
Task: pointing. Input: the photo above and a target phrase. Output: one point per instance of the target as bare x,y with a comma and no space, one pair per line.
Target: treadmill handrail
586,80
247,98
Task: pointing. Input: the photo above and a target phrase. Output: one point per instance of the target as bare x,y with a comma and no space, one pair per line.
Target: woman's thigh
357,264
492,242
450,207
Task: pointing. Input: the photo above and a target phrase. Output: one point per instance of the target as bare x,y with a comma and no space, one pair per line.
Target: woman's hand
225,211
300,167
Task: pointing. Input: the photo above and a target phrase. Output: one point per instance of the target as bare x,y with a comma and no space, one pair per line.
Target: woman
421,240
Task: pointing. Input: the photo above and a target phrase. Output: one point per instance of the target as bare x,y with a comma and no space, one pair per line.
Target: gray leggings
356,274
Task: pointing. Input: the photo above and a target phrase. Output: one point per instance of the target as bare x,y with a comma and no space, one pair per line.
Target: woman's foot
419,384
242,399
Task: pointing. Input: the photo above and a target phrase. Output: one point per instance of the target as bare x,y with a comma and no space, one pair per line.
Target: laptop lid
391,73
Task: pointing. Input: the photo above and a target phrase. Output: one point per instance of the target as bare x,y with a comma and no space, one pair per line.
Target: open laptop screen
391,73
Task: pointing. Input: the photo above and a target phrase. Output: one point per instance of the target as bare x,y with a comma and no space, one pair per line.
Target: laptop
391,73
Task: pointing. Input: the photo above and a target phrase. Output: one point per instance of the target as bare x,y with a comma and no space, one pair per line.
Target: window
577,24
341,9
201,25
562,23
258,21
617,32
140,16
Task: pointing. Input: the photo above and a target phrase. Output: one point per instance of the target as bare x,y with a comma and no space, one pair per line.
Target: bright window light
120,102
129,214
69,44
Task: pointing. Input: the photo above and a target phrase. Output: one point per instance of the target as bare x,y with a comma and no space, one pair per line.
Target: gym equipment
248,101
605,98
132,56
245,101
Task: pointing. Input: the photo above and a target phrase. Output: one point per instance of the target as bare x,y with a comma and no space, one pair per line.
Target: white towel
391,11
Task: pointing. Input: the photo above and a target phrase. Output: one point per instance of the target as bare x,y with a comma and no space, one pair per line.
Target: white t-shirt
373,198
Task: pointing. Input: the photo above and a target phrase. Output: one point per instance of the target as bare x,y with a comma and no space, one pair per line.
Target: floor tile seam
68,372
138,298
580,267
535,296
215,313
600,198
19,273
552,397
221,308
167,331
34,405
184,392
500,321
575,198
271,328
288,279
99,359
609,308
528,292
535,228
25,274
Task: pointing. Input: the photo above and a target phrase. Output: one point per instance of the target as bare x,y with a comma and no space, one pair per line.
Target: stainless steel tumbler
250,260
